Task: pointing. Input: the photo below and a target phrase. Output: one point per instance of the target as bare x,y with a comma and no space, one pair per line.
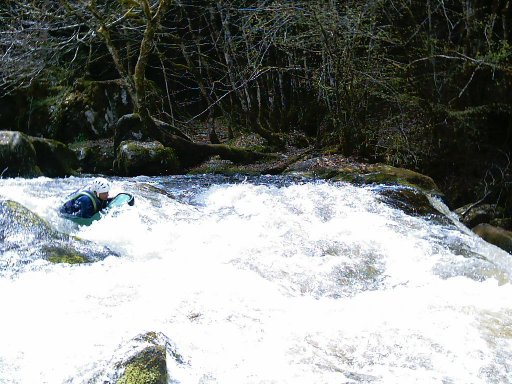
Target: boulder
88,110
54,158
411,201
141,360
471,215
145,158
94,156
148,366
339,168
495,235
41,240
17,155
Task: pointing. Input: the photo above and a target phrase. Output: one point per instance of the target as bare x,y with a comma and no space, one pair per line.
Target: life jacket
69,204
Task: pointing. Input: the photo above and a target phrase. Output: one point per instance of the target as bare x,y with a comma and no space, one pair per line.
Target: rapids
258,280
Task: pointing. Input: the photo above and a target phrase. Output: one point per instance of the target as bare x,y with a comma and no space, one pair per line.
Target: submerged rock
28,237
411,201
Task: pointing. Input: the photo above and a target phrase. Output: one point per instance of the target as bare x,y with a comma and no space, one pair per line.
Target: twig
475,204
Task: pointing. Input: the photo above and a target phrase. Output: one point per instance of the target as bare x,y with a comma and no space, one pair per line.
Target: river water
259,280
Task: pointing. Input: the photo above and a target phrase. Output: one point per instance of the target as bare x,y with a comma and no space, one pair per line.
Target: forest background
424,85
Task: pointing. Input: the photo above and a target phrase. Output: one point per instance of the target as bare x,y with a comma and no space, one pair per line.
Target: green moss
382,174
59,255
147,367
138,375
26,219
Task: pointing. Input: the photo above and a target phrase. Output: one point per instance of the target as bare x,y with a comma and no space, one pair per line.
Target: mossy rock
146,367
41,240
17,155
15,218
94,156
142,360
89,109
338,168
66,255
145,158
411,201
216,165
54,158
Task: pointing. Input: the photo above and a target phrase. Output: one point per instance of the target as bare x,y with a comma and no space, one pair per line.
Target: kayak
119,200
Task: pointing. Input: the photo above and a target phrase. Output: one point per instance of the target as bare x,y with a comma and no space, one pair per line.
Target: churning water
266,280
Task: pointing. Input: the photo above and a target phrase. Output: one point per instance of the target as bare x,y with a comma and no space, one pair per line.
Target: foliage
407,82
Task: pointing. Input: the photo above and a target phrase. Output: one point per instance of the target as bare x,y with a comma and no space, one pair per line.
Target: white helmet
100,185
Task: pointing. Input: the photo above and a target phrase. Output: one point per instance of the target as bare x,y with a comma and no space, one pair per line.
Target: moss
23,218
147,367
59,255
150,158
67,259
382,174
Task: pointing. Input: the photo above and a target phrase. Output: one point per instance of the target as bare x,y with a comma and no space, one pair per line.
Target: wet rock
94,156
483,213
17,155
505,223
146,367
145,158
342,169
142,360
54,158
495,235
411,201
30,237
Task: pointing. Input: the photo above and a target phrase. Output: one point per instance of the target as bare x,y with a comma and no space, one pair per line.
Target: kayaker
89,200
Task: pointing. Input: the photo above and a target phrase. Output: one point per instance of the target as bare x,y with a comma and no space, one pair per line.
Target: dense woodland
421,84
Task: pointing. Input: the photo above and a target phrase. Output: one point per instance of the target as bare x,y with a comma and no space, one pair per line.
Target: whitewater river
264,280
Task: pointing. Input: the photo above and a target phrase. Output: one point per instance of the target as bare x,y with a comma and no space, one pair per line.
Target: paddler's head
100,186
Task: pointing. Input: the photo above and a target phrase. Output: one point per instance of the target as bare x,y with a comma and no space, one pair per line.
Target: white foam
309,283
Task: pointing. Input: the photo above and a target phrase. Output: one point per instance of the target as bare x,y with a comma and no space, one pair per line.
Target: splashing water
267,280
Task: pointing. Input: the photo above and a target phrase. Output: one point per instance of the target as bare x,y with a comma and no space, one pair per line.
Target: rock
141,360
411,201
54,158
339,168
145,158
146,367
94,156
129,128
483,213
40,240
495,235
505,223
17,155
89,110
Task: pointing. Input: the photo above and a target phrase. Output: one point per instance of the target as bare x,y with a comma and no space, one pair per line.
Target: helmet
100,185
